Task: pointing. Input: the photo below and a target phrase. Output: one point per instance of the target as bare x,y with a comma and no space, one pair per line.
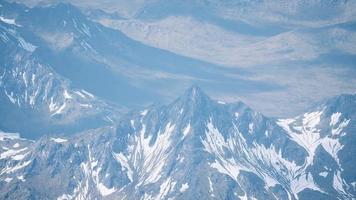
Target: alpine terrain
89,107
193,148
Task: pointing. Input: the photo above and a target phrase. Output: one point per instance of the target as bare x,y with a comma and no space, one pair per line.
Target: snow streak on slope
267,163
307,130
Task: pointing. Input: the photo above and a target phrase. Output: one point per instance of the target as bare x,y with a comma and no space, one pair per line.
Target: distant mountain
130,72
50,57
74,120
193,148
32,93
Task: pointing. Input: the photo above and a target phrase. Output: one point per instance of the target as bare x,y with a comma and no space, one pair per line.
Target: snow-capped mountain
193,148
82,50
63,136
35,94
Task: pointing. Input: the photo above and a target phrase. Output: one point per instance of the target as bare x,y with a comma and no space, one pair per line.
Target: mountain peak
195,94
193,99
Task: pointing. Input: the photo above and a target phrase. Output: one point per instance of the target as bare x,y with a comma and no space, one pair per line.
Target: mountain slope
128,72
192,148
327,135
32,92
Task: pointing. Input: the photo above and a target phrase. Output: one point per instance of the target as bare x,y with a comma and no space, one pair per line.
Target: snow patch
11,153
186,130
211,189
332,146
122,159
12,136
338,183
67,95
250,128
184,187
59,140
165,188
334,118
221,102
21,178
340,128
8,21
26,45
11,97
143,113
323,174
60,110
104,191
88,93
8,180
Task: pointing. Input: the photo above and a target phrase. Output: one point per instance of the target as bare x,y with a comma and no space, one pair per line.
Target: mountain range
193,148
75,122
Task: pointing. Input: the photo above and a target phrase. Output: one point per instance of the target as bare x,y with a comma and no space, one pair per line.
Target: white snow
21,178
10,170
11,136
165,188
11,153
8,21
215,144
250,128
334,118
157,153
8,180
302,182
338,130
311,120
80,94
186,130
60,110
243,197
332,146
244,157
143,113
266,133
307,136
59,140
323,174
104,191
67,95
184,187
11,97
221,102
24,78
88,93
338,183
353,184
20,156
16,145
211,189
52,106
90,106
122,159
26,45
33,78
147,158
91,171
